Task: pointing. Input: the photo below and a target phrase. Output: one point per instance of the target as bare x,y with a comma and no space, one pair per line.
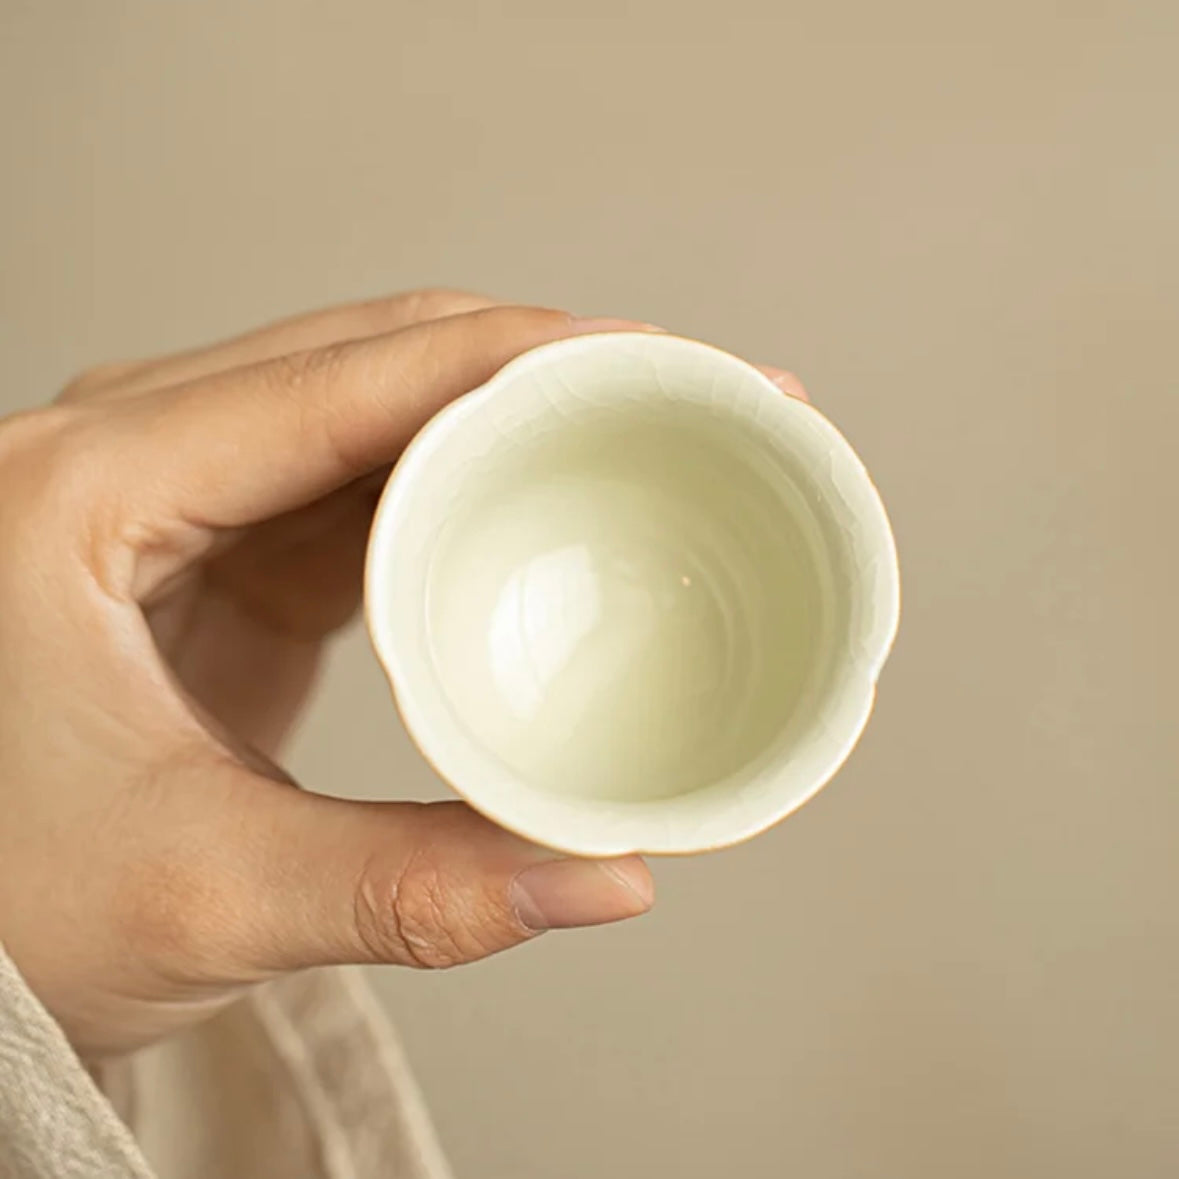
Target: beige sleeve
54,1122
304,1078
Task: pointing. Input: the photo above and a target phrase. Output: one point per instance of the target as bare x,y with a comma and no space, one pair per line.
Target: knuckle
402,917
29,428
424,922
434,302
296,371
306,379
64,475
95,379
422,305
412,916
45,454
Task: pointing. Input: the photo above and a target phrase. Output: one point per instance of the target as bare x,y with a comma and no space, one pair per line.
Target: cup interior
630,596
629,603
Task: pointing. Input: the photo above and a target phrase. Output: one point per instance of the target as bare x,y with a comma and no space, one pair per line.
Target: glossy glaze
628,611
630,596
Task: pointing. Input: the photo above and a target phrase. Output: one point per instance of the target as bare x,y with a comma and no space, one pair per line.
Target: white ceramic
632,597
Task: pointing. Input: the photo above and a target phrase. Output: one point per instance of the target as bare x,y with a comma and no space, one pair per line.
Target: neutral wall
958,223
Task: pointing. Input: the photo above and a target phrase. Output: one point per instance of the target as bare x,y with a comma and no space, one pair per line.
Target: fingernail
786,381
592,325
559,894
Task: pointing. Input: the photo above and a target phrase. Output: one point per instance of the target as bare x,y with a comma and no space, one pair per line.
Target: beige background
958,223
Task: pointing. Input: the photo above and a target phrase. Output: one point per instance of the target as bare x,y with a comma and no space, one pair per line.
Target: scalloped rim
611,828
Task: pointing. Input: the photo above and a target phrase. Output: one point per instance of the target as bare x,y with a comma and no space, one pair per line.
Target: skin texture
179,539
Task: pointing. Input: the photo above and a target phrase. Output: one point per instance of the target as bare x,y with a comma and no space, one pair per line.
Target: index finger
299,333
244,445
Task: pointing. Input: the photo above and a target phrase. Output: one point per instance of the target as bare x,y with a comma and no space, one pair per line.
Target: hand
177,540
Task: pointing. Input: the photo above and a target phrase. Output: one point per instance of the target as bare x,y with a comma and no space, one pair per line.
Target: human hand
177,540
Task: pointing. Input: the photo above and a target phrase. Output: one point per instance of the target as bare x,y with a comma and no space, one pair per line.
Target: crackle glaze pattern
631,597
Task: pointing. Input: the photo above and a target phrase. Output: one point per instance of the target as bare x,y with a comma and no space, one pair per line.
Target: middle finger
316,329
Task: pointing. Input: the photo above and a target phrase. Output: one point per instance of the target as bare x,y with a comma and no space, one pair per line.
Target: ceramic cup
632,597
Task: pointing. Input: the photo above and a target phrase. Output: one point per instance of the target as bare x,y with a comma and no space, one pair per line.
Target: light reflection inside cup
629,609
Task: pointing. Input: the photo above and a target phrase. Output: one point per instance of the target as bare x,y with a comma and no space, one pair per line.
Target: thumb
417,884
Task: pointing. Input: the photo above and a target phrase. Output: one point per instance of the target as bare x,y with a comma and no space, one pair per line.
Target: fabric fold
303,1078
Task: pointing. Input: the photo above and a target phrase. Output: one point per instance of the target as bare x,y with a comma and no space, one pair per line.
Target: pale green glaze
631,596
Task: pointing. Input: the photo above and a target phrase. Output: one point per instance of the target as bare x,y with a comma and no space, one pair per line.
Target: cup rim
609,827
